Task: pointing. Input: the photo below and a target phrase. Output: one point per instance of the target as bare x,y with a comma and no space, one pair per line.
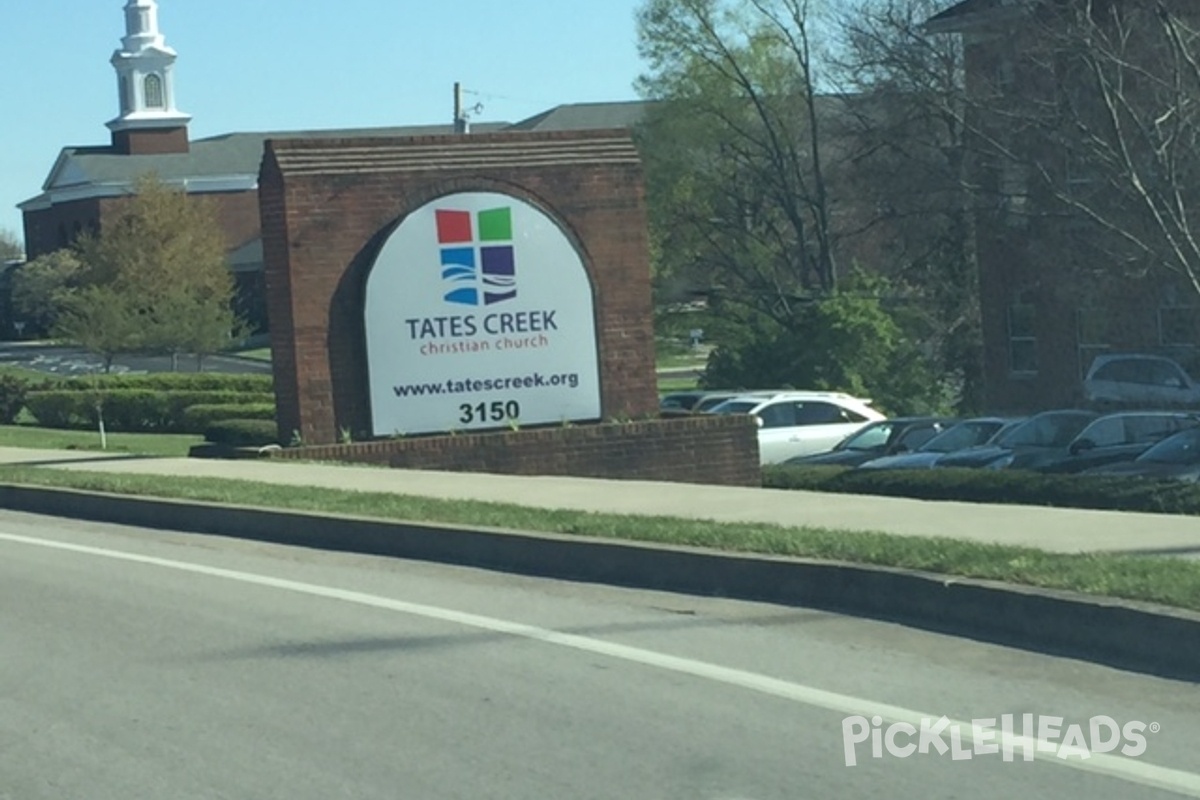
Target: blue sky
254,65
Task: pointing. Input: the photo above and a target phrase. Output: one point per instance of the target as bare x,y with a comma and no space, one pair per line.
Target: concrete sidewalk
1053,529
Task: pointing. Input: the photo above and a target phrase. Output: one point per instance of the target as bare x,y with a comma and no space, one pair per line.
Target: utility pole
461,123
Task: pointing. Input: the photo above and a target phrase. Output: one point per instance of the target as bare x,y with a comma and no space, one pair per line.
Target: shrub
141,410
174,382
850,341
1101,492
12,398
56,409
242,432
198,417
805,479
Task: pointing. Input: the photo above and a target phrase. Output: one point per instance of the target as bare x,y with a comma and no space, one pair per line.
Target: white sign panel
479,315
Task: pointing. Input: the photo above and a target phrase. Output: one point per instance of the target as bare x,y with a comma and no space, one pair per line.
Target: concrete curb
1134,636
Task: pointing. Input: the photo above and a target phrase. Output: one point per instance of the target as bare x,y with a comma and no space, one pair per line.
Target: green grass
682,361
677,384
149,444
1173,582
258,354
26,374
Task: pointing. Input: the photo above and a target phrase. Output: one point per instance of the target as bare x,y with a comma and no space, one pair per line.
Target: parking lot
69,361
1130,430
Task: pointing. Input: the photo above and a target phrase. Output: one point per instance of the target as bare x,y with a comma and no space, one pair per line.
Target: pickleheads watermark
1010,736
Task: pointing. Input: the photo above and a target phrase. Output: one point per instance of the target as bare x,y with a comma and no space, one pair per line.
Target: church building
150,135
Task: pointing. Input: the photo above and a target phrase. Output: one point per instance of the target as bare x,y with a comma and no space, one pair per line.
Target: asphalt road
143,664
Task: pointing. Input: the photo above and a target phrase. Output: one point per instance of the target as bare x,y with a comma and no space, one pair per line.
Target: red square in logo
454,227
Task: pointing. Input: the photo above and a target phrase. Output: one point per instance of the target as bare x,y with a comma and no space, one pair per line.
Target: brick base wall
720,450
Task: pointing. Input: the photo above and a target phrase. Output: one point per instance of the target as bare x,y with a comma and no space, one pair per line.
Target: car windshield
1106,432
735,407
1143,370
1126,429
1046,430
710,403
871,437
962,436
685,401
1182,448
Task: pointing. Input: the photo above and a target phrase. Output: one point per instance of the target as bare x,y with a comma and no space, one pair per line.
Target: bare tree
1105,121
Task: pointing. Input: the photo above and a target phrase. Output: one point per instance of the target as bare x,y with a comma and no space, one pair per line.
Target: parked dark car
966,434
713,399
1175,457
1118,437
1040,439
693,401
680,402
886,437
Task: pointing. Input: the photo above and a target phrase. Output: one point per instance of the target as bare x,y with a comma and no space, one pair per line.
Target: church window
153,90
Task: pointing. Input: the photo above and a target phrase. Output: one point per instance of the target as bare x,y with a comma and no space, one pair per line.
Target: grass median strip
149,444
1170,581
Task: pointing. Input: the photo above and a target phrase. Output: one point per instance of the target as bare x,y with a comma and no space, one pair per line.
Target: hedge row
141,410
199,417
1102,492
173,382
242,432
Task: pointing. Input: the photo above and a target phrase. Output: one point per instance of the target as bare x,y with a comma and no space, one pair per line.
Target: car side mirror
759,421
1082,446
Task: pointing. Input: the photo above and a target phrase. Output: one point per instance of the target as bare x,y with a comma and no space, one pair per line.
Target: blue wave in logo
466,297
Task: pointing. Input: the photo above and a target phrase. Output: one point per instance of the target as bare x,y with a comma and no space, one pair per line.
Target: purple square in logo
498,261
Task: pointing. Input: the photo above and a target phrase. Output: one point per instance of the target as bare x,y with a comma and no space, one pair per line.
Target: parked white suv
794,424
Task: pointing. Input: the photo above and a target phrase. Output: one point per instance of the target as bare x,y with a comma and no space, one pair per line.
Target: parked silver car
1139,380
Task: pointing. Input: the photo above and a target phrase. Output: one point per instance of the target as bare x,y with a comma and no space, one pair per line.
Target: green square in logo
495,225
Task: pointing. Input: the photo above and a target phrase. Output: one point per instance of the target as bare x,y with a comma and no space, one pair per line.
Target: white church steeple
148,122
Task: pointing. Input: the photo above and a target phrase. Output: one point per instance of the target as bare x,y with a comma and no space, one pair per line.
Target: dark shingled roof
970,12
227,155
602,116
234,158
586,116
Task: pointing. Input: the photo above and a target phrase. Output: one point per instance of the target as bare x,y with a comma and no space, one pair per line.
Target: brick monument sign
477,302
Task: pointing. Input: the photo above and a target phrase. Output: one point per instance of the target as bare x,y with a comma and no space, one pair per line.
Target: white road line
1128,769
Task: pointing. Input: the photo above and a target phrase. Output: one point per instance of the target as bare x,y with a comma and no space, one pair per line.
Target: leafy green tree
755,194
849,341
163,253
106,323
191,321
40,287
910,136
735,167
102,320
